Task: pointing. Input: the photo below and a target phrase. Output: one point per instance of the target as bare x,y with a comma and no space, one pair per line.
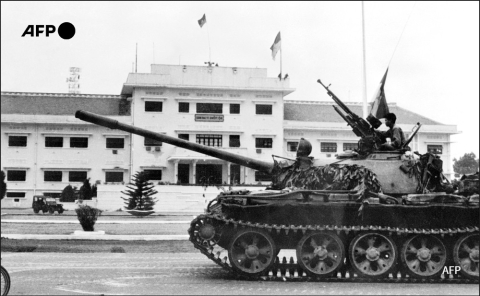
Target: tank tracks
287,270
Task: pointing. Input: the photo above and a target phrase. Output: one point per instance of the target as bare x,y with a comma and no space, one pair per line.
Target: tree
87,191
140,193
467,164
68,194
3,185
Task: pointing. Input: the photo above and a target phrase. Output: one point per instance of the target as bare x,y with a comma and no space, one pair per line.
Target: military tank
369,215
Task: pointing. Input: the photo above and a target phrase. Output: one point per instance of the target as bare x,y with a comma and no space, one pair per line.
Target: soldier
394,132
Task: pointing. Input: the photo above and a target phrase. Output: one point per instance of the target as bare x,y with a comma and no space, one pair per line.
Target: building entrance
234,174
184,173
208,174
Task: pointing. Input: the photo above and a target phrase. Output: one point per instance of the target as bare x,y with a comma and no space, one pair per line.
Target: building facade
240,110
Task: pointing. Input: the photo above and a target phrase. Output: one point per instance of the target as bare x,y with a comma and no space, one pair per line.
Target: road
173,274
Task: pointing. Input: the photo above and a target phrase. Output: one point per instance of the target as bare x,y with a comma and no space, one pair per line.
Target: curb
179,237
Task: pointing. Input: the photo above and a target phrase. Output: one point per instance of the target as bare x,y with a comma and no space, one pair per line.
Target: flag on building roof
276,46
202,21
380,106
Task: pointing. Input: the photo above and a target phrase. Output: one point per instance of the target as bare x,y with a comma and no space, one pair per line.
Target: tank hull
368,240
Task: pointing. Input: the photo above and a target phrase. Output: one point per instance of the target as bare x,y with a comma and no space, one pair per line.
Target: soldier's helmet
304,148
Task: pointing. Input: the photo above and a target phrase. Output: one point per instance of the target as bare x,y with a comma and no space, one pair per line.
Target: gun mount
369,140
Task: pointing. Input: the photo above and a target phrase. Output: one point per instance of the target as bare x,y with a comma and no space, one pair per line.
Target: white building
241,110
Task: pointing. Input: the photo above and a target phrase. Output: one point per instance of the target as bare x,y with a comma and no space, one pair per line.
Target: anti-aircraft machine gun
363,216
369,140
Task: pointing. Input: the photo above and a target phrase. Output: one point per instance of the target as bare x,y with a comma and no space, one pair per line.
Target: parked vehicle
46,204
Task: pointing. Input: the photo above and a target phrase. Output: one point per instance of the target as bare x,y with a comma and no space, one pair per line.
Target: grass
81,246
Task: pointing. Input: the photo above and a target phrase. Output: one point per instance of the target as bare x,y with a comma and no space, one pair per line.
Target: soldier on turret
394,132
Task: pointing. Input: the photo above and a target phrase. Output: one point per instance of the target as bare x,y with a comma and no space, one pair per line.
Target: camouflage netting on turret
329,177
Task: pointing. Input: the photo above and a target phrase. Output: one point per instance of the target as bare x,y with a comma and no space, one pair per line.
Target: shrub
68,194
87,191
87,216
3,185
140,193
117,250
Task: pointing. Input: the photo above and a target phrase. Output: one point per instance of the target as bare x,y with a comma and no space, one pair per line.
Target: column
228,172
175,171
194,171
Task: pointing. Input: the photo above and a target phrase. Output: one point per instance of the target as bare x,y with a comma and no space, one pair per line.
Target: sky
430,48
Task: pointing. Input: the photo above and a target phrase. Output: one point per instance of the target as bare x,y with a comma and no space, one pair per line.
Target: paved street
172,274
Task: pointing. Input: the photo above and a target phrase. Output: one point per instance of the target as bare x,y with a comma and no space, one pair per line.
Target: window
263,109
52,176
151,142
328,147
78,142
350,146
263,142
17,141
14,175
183,107
234,108
209,108
53,194
16,194
185,137
435,149
210,140
77,176
234,141
113,176
152,106
115,143
154,174
53,141
261,176
292,146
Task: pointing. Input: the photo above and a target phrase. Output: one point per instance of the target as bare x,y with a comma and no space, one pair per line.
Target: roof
58,103
324,112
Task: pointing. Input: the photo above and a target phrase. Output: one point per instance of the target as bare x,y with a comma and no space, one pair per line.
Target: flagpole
209,50
364,67
281,50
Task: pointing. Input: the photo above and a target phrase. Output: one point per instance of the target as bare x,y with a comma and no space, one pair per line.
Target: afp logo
66,30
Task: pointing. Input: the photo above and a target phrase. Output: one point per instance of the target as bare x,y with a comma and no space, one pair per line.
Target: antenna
136,53
73,80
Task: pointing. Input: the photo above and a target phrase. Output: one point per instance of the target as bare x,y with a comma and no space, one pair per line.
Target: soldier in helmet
394,132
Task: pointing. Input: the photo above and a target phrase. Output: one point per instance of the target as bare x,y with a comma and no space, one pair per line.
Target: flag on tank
380,106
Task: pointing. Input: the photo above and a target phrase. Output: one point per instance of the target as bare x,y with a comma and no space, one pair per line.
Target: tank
368,215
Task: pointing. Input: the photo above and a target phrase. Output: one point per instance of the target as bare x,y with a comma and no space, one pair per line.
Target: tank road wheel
252,252
424,256
465,255
372,255
205,233
320,253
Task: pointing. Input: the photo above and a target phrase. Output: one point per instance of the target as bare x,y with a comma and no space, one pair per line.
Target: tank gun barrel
217,153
